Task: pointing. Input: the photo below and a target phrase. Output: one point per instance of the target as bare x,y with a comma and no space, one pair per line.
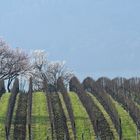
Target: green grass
3,105
128,125
82,121
3,110
67,117
40,118
41,123
106,115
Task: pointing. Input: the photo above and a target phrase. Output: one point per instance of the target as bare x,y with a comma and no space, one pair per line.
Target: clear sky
95,37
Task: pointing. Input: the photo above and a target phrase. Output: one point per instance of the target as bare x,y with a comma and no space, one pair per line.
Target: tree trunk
9,83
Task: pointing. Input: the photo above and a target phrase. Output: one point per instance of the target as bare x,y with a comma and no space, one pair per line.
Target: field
106,116
40,118
82,121
128,125
41,124
3,105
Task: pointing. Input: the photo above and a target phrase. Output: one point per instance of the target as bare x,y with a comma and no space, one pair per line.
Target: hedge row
95,88
100,125
116,89
60,123
21,118
11,106
62,89
29,108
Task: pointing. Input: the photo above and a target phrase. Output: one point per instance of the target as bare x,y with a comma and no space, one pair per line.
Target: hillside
41,124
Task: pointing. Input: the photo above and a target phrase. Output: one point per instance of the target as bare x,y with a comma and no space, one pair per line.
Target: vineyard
93,110
48,51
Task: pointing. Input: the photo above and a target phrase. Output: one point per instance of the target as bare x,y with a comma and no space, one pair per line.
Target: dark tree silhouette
11,106
97,89
100,124
2,87
62,89
20,118
29,107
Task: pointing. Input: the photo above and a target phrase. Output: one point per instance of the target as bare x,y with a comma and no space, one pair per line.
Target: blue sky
95,37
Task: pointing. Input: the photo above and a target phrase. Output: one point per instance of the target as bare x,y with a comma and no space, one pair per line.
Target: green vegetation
67,117
3,105
40,118
41,124
128,126
106,115
82,121
3,110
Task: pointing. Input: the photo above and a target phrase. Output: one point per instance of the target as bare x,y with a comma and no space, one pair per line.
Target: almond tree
13,62
56,70
19,65
5,54
50,71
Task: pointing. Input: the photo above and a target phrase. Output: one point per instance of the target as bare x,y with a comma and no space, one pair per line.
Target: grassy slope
40,118
3,110
106,115
128,125
67,117
82,121
3,105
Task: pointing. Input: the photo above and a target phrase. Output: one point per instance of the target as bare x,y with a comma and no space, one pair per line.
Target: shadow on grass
40,119
2,120
44,119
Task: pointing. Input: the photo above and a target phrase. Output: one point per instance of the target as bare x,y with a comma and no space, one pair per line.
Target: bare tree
51,71
5,54
39,66
56,70
13,62
19,65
